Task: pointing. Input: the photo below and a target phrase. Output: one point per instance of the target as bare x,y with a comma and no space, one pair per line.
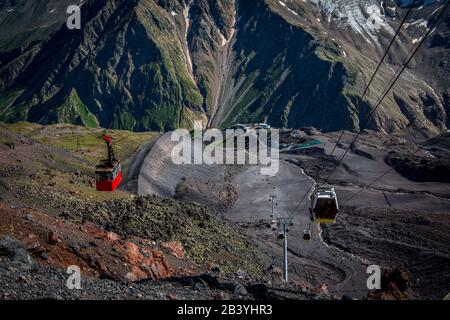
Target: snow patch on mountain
365,17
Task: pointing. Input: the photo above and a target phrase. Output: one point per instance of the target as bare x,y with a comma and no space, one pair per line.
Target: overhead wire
292,214
386,92
366,90
407,157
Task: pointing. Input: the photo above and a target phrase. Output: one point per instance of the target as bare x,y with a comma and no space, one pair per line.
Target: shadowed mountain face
164,64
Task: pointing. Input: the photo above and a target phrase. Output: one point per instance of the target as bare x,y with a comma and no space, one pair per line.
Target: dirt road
379,226
313,262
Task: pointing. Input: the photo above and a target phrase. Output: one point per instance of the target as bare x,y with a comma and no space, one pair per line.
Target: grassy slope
173,79
6,100
81,141
359,69
61,183
74,108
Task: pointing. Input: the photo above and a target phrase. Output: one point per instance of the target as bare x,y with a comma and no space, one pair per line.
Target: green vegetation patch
205,239
73,110
6,101
86,143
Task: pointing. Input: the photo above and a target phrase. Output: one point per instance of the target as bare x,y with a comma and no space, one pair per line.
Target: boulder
240,290
16,252
215,268
133,254
241,274
221,296
10,145
146,263
175,248
260,291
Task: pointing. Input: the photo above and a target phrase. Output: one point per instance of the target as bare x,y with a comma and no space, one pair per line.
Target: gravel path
314,263
339,263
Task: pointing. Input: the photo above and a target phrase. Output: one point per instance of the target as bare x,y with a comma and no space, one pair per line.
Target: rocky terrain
127,247
398,223
418,242
142,68
402,219
165,64
221,247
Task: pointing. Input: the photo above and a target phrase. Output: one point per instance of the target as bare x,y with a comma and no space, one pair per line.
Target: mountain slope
128,72
163,64
362,31
279,73
24,22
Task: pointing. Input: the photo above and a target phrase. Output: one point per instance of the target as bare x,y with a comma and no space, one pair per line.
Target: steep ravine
164,64
280,74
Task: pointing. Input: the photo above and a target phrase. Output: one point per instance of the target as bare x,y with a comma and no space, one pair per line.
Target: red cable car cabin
108,173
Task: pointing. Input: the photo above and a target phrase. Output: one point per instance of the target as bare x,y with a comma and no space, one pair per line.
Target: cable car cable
431,142
362,97
395,79
376,71
293,213
392,79
95,134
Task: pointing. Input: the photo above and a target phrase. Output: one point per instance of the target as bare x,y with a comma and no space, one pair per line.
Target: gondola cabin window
324,205
108,173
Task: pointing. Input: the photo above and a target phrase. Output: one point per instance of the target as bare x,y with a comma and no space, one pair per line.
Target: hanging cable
395,79
431,142
366,90
361,99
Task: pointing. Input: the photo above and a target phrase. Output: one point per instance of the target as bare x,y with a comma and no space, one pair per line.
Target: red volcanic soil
60,244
